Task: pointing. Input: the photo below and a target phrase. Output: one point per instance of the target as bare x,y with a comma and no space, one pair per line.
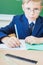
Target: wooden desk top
30,54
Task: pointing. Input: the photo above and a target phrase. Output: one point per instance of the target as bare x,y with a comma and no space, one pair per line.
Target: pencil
16,31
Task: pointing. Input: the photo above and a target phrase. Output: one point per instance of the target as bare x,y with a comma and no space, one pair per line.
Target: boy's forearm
40,40
32,39
10,35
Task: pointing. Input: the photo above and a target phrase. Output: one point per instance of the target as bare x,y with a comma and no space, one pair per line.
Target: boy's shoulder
40,18
18,16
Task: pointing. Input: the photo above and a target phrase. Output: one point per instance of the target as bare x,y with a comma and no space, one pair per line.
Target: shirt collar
32,21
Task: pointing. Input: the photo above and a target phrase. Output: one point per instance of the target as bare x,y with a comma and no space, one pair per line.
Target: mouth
32,17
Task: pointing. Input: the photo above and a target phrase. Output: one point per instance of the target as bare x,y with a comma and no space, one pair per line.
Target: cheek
27,13
36,15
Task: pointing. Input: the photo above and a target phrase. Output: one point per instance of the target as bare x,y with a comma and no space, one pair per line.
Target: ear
23,7
41,6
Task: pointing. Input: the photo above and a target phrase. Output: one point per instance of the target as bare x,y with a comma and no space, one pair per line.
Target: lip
31,17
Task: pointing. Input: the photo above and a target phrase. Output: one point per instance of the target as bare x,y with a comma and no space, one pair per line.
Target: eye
36,9
28,8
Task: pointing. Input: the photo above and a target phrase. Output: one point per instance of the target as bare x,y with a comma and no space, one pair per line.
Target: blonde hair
26,1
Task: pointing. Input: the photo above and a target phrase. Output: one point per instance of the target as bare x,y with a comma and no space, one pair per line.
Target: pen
21,58
16,31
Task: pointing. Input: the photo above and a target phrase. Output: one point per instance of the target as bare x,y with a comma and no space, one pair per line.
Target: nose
32,11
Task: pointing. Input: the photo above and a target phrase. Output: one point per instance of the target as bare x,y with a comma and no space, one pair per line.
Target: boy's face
32,10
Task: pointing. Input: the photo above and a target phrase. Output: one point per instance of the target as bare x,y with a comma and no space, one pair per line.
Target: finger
10,45
17,41
14,43
26,39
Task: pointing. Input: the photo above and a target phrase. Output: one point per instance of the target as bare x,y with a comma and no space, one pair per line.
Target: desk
30,54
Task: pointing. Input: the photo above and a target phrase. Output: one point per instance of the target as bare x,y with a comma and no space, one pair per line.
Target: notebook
34,46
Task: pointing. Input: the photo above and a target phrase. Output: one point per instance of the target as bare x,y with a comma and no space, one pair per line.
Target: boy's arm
33,40
8,29
11,41
41,40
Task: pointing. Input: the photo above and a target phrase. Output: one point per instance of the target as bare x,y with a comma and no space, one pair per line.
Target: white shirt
31,22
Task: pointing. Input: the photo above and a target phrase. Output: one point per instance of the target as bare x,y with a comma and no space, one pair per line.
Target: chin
32,19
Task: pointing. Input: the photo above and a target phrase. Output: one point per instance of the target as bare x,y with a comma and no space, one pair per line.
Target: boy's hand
11,41
32,40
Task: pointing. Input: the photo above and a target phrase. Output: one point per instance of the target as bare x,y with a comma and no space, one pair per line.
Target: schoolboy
31,10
